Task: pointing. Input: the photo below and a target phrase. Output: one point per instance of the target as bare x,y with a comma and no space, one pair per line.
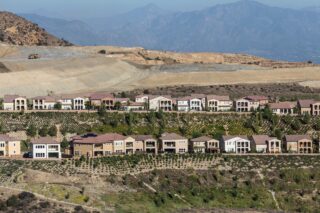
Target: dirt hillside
84,69
18,31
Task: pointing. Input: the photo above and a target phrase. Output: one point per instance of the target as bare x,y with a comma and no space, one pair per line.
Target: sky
86,9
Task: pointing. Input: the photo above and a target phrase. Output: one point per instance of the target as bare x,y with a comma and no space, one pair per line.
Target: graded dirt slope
82,69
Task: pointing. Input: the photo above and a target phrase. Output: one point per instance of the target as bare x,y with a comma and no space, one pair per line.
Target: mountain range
241,27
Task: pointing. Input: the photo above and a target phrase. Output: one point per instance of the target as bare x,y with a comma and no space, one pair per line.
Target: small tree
32,131
43,131
117,105
58,106
64,144
52,131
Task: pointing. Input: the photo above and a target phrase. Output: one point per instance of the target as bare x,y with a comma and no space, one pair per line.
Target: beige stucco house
204,144
173,143
9,146
266,144
15,102
299,143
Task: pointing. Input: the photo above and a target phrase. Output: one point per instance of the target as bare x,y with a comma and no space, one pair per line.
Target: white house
45,148
216,103
142,99
164,103
43,102
195,104
15,102
250,103
183,104
235,144
73,102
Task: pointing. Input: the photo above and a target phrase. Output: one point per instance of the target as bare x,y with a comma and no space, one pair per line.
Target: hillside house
217,103
45,148
298,143
92,145
9,146
43,103
173,143
251,103
283,108
235,144
15,103
103,99
305,106
150,144
204,144
265,144
164,103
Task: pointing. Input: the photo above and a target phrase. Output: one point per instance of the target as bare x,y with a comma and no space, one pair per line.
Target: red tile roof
171,136
260,139
46,98
282,105
99,139
295,138
4,137
202,139
44,140
99,96
143,137
218,98
11,98
306,103
256,98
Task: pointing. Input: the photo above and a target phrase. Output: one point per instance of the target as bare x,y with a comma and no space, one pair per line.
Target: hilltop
18,31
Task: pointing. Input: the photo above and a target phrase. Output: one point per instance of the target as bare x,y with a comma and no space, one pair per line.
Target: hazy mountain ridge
242,27
18,31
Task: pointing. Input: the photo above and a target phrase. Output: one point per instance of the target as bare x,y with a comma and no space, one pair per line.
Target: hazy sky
84,9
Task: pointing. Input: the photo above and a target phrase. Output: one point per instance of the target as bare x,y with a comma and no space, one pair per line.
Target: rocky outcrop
18,31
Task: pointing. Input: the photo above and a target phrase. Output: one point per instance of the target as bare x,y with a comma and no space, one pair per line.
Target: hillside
172,183
83,69
18,31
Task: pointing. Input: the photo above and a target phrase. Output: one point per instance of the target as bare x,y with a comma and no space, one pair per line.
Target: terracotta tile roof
98,139
44,140
46,98
228,137
200,96
171,136
218,98
202,139
306,103
99,96
294,138
4,137
186,98
260,139
283,105
256,98
11,98
143,137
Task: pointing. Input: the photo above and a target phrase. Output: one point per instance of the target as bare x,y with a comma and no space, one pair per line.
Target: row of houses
194,102
93,145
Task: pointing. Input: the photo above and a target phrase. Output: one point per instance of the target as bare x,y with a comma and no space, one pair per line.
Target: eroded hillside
18,31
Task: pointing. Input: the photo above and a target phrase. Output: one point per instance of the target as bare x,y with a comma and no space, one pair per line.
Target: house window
40,155
182,150
77,153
